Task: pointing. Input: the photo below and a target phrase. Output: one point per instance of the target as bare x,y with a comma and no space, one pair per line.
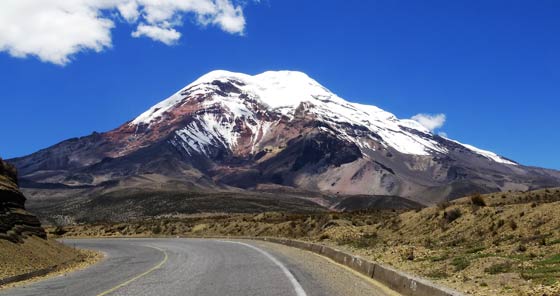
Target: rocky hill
15,222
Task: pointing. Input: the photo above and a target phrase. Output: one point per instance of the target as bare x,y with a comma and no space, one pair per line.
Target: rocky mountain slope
15,222
276,131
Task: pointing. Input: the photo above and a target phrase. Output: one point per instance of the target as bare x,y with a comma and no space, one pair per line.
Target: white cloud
52,30
129,11
429,121
55,30
230,18
167,36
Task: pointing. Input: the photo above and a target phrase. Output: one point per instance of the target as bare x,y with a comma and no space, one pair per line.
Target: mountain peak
276,89
282,92
280,75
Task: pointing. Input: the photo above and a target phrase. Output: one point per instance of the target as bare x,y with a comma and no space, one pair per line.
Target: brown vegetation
504,248
23,244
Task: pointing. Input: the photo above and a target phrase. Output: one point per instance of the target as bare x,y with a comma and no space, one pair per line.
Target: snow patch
488,154
283,92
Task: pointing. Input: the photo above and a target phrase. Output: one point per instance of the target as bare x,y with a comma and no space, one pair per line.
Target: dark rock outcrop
15,222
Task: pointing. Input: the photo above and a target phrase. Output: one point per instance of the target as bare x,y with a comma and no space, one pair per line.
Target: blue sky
492,67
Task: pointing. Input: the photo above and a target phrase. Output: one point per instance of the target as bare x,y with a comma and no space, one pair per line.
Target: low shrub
513,225
408,255
452,215
365,241
478,200
501,223
499,268
475,250
460,263
156,229
59,230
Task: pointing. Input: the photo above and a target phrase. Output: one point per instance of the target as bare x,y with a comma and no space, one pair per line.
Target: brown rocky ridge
16,223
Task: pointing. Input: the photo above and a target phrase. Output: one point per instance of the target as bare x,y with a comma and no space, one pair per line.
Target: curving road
203,267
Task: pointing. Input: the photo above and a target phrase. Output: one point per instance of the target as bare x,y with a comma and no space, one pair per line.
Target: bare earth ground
497,244
36,254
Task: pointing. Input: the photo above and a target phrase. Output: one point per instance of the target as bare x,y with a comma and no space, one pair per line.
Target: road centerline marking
295,284
155,267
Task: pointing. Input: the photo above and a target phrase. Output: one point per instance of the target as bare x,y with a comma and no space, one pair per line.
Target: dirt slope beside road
24,246
36,254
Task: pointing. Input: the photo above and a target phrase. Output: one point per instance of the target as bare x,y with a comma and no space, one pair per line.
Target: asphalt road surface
203,267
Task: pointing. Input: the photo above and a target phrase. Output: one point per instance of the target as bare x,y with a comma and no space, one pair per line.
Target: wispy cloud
168,36
430,121
54,30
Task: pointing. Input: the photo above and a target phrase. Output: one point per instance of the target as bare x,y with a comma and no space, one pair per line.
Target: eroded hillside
24,246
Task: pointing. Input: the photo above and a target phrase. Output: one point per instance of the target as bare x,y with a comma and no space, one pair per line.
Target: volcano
278,137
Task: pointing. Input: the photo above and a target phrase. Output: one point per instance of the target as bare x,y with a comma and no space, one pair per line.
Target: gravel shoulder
319,270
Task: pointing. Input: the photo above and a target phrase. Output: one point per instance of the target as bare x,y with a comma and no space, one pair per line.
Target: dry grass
36,253
497,244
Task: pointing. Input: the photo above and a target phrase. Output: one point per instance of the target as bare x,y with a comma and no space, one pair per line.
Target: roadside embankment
25,251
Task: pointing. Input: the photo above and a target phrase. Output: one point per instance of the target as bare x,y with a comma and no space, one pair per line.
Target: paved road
203,268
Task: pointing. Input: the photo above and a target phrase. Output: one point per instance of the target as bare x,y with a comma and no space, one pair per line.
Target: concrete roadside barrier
398,281
409,285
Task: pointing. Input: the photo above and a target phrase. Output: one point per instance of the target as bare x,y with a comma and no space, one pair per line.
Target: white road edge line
296,285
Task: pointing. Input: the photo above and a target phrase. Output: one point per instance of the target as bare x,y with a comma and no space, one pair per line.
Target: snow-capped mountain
243,98
276,131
